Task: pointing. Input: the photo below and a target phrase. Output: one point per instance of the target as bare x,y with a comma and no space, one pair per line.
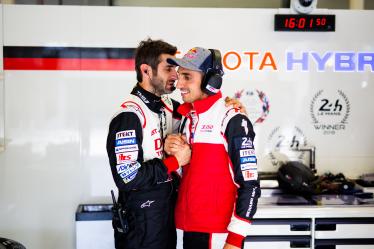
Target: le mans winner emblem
283,144
330,111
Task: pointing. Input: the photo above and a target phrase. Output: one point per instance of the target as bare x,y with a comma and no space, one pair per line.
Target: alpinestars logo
146,204
330,111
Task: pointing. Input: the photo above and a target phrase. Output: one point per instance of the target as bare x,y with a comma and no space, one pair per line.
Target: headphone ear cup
215,81
212,80
212,83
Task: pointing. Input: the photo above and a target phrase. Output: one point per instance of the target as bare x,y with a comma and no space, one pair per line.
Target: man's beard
160,86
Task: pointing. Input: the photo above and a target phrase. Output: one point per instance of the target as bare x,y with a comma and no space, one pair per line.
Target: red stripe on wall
108,64
69,64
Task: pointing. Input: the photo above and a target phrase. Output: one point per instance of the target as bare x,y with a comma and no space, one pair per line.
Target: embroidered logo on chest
206,128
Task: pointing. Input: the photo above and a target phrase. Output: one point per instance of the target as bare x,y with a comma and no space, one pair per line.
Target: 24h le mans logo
330,111
284,143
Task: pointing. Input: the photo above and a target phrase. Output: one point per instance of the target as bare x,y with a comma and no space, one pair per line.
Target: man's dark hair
148,52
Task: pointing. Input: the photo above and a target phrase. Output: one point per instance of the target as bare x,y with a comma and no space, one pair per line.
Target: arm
240,135
125,152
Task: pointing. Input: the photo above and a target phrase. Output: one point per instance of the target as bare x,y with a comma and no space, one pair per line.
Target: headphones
212,80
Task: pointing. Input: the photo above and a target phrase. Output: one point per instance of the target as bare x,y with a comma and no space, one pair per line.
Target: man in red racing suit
219,187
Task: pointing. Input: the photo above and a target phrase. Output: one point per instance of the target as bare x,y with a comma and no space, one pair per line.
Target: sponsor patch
128,171
206,128
125,134
167,100
130,177
125,141
127,156
243,143
145,100
247,166
250,206
245,126
249,175
126,148
249,159
212,89
146,204
247,152
154,131
122,167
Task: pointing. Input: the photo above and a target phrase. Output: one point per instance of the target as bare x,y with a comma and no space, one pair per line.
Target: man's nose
174,74
179,84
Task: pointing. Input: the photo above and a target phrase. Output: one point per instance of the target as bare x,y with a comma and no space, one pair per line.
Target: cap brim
182,63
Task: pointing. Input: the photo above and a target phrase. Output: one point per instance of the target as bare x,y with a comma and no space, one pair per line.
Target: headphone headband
216,61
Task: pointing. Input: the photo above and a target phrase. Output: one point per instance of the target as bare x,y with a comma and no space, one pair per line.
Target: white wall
1,83
56,121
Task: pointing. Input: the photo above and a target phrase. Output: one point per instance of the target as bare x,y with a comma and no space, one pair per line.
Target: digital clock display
316,23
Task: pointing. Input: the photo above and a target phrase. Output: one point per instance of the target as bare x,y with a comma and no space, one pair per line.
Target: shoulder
131,109
240,125
122,118
232,118
226,112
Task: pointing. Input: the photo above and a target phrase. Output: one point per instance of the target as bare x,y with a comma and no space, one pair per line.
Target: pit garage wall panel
56,120
2,94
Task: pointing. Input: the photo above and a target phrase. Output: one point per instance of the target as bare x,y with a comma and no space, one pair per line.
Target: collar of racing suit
152,101
200,106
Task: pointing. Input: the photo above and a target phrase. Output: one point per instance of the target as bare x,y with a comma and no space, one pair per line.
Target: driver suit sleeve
240,135
125,152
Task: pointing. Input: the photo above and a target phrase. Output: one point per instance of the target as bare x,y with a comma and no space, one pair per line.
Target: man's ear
146,70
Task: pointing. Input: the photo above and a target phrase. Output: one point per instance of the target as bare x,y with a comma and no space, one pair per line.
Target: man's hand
228,246
174,143
236,104
183,155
